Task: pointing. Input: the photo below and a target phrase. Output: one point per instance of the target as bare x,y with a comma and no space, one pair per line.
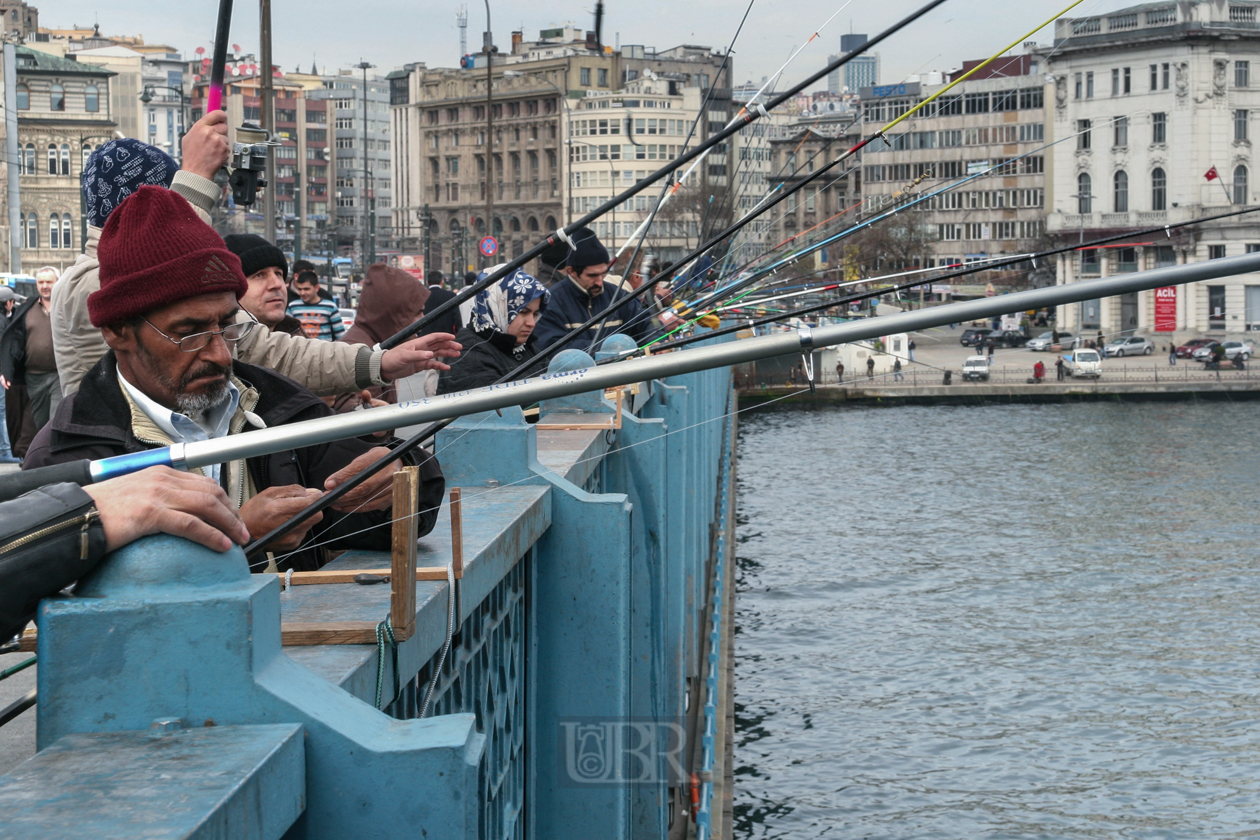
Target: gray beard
194,405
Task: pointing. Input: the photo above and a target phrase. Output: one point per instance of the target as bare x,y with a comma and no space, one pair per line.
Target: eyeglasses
198,341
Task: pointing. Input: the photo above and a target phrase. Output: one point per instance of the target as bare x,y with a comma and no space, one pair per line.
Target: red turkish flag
1212,174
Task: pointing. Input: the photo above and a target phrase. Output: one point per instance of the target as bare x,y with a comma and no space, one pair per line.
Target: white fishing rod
550,386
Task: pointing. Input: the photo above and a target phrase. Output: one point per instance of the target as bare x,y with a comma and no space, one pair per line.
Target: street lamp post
148,96
369,203
1084,201
487,48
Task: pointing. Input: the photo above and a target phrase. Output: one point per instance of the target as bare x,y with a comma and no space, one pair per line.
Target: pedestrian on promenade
870,367
8,301
910,347
26,359
1058,368
1172,354
897,375
839,373
1039,371
990,348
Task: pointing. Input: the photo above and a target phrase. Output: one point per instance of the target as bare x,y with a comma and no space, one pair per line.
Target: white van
1085,363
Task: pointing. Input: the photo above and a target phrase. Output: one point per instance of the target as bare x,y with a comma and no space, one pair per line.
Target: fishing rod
682,342
686,157
218,59
548,386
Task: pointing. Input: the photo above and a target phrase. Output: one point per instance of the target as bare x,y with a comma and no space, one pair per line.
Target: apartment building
455,162
1151,99
987,136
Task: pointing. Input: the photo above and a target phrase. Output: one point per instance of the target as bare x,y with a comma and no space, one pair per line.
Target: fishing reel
249,163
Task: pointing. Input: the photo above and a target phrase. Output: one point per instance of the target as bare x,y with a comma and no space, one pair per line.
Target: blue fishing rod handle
107,468
14,484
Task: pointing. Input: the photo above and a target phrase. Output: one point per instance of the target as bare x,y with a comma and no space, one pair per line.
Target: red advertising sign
413,264
1166,309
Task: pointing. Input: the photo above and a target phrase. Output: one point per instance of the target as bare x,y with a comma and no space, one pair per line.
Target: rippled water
1009,621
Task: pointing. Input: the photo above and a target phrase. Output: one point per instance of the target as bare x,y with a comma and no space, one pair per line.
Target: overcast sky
390,33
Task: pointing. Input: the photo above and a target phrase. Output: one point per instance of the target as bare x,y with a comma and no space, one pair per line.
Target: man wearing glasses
167,307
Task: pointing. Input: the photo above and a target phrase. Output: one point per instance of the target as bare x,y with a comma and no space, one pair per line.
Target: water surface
1006,621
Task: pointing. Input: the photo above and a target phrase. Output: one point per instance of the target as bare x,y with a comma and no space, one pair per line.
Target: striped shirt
320,320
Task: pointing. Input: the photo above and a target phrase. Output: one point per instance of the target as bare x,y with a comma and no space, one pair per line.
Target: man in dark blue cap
583,294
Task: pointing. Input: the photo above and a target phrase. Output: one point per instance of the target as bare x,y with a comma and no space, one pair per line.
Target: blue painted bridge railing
565,707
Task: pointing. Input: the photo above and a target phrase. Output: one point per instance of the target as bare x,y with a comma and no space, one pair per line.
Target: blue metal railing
588,560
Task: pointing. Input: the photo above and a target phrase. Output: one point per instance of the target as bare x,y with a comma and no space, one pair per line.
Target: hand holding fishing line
275,505
371,494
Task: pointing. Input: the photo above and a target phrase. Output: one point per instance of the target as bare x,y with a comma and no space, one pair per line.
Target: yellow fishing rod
978,67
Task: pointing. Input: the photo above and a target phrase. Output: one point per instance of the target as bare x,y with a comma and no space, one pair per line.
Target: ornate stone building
63,114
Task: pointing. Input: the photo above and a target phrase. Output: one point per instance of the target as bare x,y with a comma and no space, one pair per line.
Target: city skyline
321,32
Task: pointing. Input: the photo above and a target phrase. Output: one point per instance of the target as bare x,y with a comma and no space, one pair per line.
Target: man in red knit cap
167,307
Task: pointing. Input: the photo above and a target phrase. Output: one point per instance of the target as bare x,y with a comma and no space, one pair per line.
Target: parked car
1046,340
1132,345
973,338
347,316
1186,351
976,368
1233,349
1085,363
1008,338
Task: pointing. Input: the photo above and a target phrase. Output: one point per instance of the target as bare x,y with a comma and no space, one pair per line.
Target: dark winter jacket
449,323
13,343
487,357
95,422
571,306
68,542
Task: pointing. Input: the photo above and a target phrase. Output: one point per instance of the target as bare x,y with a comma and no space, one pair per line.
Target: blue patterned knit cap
119,168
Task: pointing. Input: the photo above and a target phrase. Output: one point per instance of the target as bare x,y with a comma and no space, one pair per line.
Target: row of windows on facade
1022,99
606,231
452,163
990,230
581,152
1031,165
58,158
514,225
479,138
59,227
1159,190
1160,77
646,125
1159,130
289,115
57,98
518,190
530,107
989,136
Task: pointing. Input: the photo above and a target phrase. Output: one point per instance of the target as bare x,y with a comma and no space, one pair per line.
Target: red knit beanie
153,252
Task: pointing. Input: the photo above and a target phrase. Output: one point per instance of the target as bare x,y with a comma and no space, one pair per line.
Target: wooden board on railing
613,422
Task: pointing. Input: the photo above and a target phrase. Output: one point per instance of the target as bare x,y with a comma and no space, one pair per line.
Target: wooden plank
457,532
297,633
26,644
402,593
348,575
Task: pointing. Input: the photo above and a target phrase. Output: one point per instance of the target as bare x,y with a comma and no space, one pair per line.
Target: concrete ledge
977,393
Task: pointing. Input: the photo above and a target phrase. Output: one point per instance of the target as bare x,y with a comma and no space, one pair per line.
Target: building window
1082,135
23,97
1115,81
1216,252
584,76
85,152
1089,85
1079,86
32,231
1242,74
1240,125
30,160
54,231
603,77
1164,71
65,232
1120,184
1084,200
1216,302
1159,127
1240,184
57,98
52,159
1126,81
1154,77
1121,132
65,158
91,99
1159,190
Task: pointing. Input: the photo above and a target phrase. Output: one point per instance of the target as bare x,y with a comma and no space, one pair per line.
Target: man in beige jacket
120,167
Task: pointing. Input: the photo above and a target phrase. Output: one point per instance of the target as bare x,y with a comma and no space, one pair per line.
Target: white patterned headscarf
497,306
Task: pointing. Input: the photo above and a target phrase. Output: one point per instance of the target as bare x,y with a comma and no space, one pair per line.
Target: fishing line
468,497
686,157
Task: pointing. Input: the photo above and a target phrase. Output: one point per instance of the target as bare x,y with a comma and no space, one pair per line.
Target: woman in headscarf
498,335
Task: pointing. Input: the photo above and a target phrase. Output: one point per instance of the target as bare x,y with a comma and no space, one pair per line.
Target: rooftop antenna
461,20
